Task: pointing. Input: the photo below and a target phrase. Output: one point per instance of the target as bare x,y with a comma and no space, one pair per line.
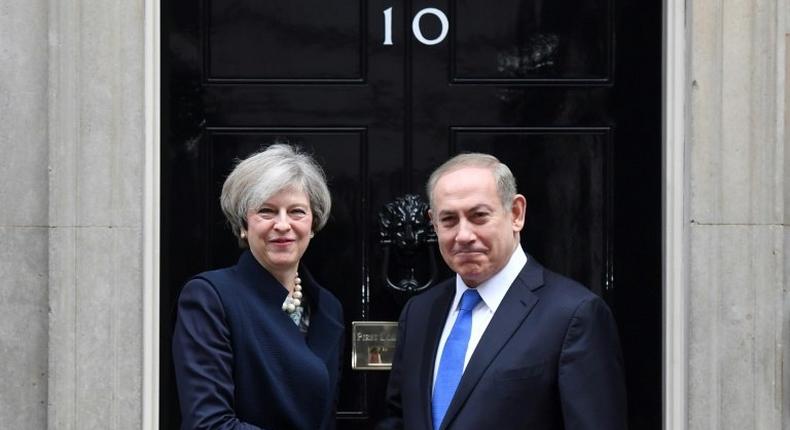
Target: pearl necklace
294,300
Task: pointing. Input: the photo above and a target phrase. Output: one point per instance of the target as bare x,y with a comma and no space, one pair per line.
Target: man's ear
430,215
518,212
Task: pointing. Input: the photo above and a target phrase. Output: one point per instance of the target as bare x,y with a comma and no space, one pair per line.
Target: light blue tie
451,366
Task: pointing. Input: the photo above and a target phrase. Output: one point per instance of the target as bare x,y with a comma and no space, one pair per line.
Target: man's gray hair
505,182
264,174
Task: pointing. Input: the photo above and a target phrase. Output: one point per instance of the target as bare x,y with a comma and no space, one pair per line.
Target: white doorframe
151,217
674,235
673,199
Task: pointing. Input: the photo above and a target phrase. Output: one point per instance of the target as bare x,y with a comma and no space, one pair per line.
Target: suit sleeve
394,420
203,360
591,376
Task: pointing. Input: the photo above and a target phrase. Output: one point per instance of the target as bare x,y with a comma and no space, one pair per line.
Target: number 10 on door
415,26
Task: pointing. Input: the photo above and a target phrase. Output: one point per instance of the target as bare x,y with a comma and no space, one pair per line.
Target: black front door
566,92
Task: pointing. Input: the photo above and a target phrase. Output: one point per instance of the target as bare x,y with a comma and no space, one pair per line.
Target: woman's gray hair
264,174
505,182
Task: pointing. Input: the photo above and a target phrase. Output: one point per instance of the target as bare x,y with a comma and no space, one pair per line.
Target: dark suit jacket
549,359
241,362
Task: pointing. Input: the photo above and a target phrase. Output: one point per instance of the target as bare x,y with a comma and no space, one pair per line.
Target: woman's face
279,231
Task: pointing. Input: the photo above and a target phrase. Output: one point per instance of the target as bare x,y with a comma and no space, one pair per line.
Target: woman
257,345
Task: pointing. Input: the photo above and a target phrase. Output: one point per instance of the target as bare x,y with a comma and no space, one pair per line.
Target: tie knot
469,300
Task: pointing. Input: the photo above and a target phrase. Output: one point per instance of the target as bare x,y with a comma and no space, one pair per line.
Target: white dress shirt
492,291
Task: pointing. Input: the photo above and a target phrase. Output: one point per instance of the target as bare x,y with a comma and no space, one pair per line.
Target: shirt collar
493,290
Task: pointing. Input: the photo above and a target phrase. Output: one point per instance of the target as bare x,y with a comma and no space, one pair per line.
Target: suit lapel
325,328
437,316
515,306
323,335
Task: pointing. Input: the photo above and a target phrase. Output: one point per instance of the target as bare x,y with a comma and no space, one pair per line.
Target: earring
243,235
312,234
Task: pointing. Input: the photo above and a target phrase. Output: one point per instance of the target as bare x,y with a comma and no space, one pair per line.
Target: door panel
530,41
564,176
341,152
309,40
566,92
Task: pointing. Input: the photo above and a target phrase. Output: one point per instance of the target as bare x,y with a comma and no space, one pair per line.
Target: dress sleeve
591,376
203,360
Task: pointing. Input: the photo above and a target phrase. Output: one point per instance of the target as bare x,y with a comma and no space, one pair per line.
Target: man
506,344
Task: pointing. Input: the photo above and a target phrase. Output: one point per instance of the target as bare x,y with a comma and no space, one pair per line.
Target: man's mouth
468,251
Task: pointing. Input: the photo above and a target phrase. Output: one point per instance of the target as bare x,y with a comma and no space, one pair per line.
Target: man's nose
465,233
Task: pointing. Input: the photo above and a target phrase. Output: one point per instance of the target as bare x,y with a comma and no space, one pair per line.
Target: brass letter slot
373,344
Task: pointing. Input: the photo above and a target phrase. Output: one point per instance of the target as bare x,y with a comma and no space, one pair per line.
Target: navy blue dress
242,363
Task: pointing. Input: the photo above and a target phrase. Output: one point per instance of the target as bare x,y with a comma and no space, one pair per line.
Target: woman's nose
281,222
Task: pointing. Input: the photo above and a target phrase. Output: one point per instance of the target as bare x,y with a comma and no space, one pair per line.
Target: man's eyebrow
481,206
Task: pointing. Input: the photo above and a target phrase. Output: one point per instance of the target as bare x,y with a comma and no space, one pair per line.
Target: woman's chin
278,261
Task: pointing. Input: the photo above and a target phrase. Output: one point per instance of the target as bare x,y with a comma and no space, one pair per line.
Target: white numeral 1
388,26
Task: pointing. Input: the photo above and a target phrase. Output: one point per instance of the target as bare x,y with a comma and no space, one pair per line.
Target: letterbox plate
373,344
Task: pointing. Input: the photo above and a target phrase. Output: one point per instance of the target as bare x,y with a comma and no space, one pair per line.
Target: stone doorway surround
731,298
725,197
726,208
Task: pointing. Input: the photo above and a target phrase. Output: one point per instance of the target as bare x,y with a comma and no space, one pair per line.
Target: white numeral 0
415,26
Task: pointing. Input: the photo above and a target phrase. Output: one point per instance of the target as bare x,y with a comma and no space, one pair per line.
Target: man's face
477,235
